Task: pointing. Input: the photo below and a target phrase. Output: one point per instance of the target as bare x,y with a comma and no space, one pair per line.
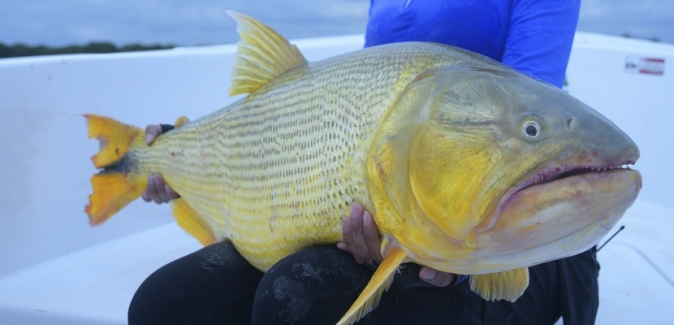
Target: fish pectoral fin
181,121
115,138
192,222
262,55
508,285
380,282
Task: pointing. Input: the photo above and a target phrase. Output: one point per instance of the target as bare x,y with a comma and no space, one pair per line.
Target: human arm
362,240
540,35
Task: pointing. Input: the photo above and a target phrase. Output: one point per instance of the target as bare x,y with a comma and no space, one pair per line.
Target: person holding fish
216,285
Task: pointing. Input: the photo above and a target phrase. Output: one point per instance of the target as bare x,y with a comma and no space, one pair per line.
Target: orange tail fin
114,187
112,192
115,138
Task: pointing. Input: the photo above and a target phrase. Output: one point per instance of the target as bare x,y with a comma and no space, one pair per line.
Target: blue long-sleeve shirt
531,36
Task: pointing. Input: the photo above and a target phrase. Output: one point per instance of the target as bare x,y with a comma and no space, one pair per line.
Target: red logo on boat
645,65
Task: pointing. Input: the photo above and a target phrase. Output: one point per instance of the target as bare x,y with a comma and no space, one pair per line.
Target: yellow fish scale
276,172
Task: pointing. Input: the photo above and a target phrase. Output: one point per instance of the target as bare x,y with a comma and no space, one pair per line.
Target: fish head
501,171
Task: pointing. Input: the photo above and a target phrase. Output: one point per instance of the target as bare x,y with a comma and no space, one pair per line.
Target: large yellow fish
469,167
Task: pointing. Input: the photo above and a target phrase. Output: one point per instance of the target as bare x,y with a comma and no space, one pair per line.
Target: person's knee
155,296
196,286
309,286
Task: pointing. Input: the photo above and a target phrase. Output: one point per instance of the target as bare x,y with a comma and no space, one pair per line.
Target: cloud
643,18
170,21
187,22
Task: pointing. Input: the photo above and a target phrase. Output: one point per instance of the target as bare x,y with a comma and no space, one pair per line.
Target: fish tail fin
112,192
380,282
115,138
115,186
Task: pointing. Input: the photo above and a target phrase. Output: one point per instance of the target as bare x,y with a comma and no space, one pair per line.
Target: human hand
157,190
361,239
152,132
435,277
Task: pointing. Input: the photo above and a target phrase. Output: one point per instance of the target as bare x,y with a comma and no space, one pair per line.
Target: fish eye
531,129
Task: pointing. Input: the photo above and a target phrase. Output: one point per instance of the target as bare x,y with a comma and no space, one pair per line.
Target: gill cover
434,151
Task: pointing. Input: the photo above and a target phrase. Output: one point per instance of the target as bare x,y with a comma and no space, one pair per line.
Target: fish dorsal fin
262,55
380,282
508,285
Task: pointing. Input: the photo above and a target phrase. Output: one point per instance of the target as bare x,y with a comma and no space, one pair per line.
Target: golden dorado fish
469,167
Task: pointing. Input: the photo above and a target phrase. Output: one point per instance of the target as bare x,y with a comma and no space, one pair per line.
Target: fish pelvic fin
380,282
192,222
262,55
508,285
114,187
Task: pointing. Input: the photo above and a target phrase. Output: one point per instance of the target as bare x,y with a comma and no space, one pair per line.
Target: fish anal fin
190,221
112,192
262,55
114,137
181,121
380,282
508,285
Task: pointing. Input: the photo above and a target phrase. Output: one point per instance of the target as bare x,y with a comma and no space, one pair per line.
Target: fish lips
554,218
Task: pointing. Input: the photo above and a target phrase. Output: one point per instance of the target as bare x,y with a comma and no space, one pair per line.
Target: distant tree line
652,39
17,50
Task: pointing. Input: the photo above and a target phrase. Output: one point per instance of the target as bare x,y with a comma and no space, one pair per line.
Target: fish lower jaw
540,221
550,176
572,244
552,221
606,223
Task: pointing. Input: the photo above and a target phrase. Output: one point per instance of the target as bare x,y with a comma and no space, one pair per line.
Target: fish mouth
563,172
563,212
546,219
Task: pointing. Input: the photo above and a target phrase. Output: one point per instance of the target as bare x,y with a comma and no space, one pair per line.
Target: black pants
215,285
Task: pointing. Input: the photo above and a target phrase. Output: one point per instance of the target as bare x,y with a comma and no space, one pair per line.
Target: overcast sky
199,22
